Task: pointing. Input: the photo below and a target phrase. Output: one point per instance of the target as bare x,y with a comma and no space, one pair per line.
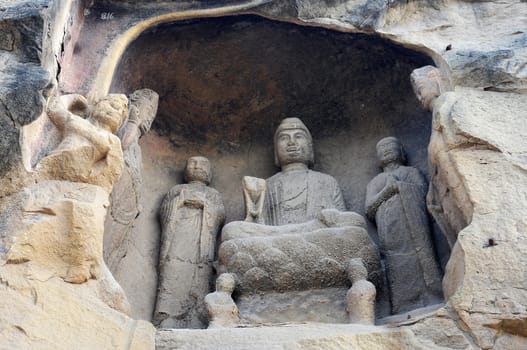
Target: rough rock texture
455,33
360,298
478,168
327,305
51,233
278,269
123,223
298,261
315,74
222,310
312,73
32,33
56,226
307,336
88,151
23,84
44,312
478,142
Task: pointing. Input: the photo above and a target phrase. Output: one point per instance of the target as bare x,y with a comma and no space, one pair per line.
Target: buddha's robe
298,196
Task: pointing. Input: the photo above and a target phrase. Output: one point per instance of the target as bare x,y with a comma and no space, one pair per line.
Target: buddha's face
293,146
198,169
389,152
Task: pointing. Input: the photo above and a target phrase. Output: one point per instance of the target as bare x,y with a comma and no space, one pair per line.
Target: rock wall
482,140
476,152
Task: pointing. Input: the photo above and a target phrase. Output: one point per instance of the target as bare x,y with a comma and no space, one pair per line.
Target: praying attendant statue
395,201
191,215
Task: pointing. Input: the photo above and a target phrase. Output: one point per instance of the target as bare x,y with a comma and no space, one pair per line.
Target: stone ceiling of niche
226,82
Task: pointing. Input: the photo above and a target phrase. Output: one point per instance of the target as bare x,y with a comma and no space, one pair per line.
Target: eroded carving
221,309
395,201
125,200
89,152
56,227
361,296
427,85
191,215
254,190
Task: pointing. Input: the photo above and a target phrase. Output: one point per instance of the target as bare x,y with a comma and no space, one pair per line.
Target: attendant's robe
191,216
414,277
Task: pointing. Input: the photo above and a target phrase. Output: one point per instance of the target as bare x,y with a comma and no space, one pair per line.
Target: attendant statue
125,200
395,201
221,309
191,216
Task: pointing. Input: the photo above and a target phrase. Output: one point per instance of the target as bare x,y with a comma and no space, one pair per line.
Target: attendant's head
198,170
225,283
110,111
390,150
293,143
428,85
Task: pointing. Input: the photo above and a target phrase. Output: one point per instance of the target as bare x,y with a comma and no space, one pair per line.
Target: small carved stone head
293,143
143,108
427,85
198,169
226,283
390,149
110,111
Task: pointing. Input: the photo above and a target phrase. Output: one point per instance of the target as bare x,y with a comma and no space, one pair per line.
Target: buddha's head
293,143
198,170
390,150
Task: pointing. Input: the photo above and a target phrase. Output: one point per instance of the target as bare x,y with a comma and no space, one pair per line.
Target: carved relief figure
89,152
427,85
395,201
69,203
306,237
221,309
254,196
297,194
361,296
126,195
191,215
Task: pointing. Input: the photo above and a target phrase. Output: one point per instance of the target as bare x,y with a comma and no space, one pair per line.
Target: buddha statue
301,238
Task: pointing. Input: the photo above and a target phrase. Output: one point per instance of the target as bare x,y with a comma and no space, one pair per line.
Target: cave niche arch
226,82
